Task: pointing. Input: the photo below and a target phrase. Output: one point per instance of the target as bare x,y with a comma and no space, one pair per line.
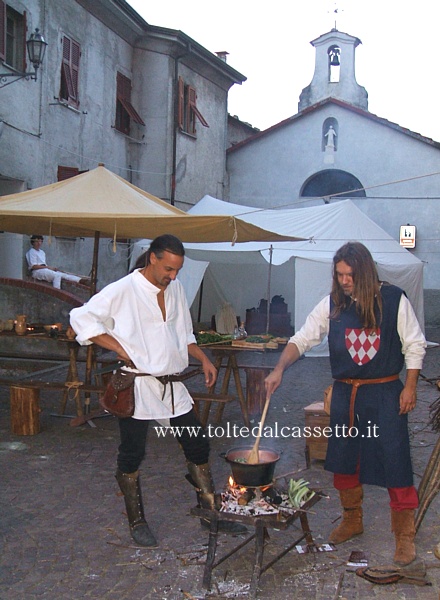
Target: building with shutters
148,102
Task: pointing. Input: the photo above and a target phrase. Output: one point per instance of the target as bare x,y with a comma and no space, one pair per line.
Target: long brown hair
366,284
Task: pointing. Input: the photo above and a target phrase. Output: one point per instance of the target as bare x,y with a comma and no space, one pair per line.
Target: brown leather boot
351,524
402,523
130,487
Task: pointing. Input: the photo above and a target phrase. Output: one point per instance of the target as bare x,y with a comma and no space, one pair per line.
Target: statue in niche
330,137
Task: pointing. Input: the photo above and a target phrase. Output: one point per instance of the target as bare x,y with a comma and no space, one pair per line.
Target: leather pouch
118,398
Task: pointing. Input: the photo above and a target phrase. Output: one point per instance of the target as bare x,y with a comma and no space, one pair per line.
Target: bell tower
334,75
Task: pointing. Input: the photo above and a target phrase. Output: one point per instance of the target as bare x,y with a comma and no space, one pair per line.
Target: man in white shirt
36,260
372,333
144,318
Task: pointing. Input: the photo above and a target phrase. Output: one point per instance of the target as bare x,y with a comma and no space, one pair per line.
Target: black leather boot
130,487
201,478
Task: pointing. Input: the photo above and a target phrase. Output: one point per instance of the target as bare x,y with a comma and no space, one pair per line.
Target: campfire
255,501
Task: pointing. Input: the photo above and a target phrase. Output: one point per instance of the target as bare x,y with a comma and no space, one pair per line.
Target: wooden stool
316,445
25,410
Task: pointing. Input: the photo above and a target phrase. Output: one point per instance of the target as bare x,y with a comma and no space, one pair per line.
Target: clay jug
20,324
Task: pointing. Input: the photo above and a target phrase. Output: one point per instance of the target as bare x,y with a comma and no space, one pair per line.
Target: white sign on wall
408,236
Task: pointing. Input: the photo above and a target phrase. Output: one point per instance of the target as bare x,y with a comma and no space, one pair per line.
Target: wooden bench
25,401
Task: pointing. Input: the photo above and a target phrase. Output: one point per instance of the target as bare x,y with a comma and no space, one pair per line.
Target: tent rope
235,236
114,241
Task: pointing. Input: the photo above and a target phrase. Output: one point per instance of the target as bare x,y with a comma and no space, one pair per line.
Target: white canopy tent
301,271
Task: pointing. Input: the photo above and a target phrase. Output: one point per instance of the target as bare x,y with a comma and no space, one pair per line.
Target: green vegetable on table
211,338
256,339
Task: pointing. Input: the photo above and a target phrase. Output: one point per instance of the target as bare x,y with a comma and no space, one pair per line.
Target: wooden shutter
66,172
192,106
74,65
199,115
123,87
66,66
123,93
70,68
2,30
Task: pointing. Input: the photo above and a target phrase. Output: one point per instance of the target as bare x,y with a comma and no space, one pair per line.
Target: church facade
334,149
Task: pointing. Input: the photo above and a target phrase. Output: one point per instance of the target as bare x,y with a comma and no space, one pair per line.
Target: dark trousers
134,436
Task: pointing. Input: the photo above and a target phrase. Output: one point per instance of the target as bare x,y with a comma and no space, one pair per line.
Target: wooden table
253,397
36,346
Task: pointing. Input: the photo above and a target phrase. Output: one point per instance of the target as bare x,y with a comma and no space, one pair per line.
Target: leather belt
165,379
170,379
356,383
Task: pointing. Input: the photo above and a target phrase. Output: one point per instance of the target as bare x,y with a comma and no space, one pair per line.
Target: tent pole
268,288
199,311
94,273
90,356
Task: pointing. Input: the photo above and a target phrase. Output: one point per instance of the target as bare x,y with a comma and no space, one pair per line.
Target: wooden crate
316,446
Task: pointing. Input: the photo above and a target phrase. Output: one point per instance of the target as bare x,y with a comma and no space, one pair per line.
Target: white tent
301,271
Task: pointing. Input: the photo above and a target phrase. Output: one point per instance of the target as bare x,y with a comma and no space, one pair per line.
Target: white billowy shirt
35,257
128,310
317,326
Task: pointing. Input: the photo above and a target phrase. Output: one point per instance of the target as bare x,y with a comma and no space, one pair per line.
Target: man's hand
408,400
208,368
273,381
408,396
210,373
289,355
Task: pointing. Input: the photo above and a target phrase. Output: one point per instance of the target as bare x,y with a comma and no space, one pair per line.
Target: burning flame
231,481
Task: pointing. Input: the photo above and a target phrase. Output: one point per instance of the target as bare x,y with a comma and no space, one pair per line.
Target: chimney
222,55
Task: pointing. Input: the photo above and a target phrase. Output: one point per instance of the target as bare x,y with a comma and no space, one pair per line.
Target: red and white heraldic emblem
362,344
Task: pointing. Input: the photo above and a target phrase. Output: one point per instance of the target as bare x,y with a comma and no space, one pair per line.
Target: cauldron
252,475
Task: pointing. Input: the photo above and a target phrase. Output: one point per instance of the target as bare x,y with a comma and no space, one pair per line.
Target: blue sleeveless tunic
381,442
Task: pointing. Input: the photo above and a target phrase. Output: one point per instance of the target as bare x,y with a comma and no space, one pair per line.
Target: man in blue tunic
372,334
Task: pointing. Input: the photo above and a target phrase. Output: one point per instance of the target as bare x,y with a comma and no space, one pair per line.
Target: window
64,173
333,182
12,37
187,109
125,112
70,72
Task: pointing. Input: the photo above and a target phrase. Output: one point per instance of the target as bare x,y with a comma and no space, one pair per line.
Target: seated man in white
36,260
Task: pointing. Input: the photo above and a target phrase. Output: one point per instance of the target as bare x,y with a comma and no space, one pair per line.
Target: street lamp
36,47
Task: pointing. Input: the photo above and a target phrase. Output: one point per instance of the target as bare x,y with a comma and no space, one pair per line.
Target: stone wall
432,308
40,302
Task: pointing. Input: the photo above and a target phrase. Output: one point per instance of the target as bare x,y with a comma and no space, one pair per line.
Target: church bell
334,60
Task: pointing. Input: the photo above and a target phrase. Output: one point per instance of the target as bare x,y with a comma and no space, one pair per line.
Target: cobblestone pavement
64,534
